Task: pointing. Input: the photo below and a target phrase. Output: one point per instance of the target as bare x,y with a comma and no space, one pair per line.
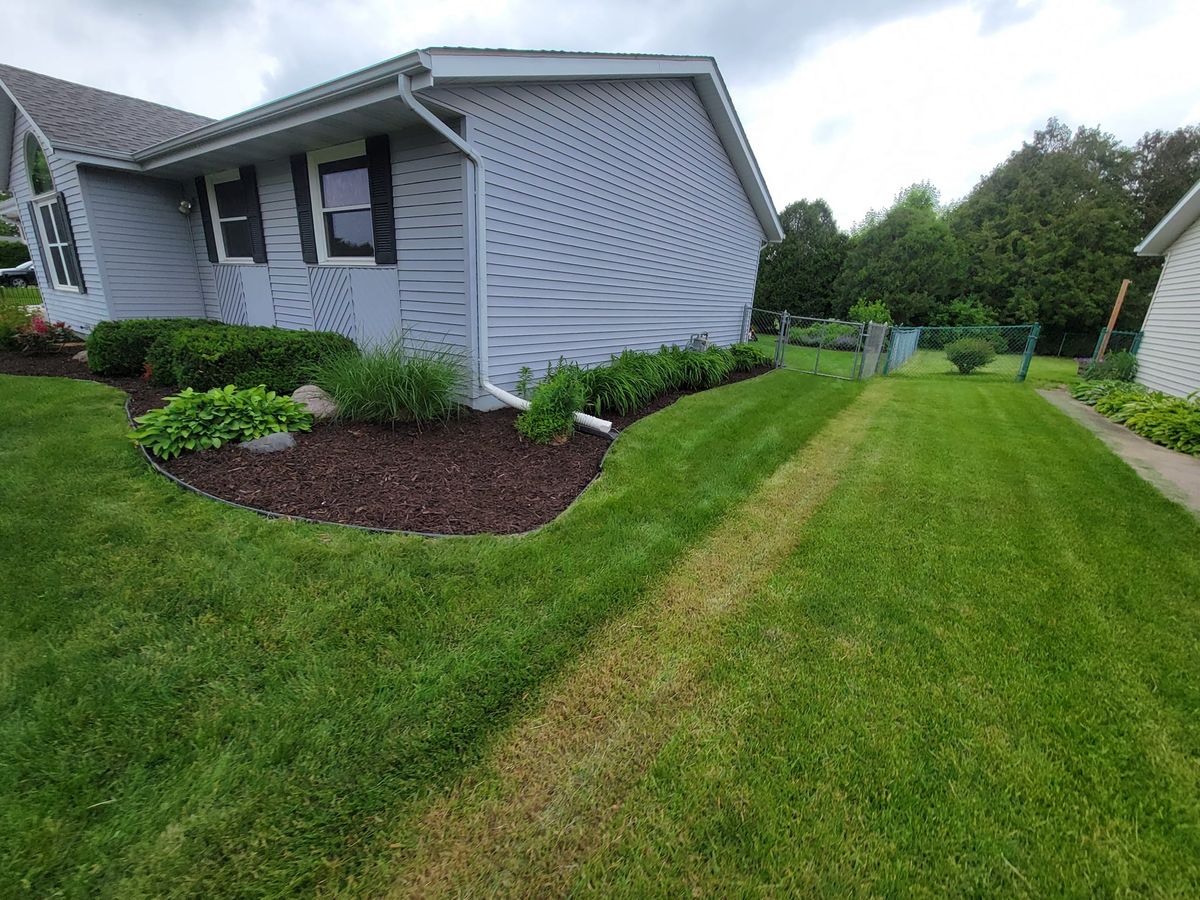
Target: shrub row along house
520,206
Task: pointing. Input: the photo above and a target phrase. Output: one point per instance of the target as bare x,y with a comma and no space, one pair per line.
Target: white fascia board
456,67
1173,224
359,88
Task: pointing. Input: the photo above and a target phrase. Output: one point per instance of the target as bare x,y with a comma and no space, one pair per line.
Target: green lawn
194,699
807,359
804,636
977,674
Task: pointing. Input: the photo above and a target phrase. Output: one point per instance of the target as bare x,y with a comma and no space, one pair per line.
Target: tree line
1045,237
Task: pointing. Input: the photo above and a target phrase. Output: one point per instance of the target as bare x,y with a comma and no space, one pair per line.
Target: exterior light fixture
185,207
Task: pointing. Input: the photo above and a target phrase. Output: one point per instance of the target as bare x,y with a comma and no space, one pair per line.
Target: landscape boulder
271,443
316,401
80,357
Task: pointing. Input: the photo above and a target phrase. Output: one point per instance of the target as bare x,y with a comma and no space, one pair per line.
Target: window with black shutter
347,200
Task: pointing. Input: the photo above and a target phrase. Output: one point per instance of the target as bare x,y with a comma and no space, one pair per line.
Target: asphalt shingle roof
82,116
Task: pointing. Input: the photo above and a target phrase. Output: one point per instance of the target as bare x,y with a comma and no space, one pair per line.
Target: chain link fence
830,347
998,353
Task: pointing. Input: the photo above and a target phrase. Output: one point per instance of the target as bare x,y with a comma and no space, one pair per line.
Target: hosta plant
194,420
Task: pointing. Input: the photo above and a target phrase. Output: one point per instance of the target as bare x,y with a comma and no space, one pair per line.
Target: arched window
36,167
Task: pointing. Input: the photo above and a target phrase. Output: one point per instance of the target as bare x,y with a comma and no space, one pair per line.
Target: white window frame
315,158
210,182
49,200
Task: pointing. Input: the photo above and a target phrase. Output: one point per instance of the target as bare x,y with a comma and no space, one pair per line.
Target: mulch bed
471,475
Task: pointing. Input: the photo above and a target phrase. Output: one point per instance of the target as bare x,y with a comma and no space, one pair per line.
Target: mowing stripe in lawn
530,816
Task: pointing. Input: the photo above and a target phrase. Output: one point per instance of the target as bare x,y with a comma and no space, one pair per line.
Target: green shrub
13,320
199,421
870,311
832,335
122,348
551,414
393,383
12,253
214,355
748,357
1119,366
969,354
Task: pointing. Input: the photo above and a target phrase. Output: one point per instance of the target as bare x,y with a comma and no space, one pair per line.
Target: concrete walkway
1176,474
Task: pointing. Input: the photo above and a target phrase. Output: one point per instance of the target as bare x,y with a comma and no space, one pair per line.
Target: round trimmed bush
970,354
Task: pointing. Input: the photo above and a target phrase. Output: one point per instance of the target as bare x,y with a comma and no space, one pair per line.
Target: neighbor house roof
1173,224
76,117
156,139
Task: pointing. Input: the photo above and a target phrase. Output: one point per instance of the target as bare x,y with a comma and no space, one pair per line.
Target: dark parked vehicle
21,275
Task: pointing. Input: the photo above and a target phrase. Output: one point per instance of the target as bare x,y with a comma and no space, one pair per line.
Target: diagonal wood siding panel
230,299
332,301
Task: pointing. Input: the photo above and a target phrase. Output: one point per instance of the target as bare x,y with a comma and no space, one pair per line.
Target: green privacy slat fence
984,352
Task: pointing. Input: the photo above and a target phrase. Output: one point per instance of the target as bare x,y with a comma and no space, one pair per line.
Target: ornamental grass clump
394,383
201,421
969,354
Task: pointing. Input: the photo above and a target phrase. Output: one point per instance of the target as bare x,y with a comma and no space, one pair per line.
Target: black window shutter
308,239
73,249
383,221
210,242
258,242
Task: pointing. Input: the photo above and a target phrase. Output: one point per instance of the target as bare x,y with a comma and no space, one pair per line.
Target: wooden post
1112,320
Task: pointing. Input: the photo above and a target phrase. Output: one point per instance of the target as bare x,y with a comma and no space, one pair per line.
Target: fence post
1030,343
1099,341
890,337
1137,342
747,319
783,327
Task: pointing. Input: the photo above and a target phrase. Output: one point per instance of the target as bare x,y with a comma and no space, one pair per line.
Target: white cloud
850,101
931,97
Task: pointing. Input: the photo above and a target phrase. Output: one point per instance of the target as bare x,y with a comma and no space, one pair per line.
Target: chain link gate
829,347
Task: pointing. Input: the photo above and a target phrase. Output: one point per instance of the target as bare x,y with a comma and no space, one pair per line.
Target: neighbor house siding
614,219
1169,358
143,245
80,311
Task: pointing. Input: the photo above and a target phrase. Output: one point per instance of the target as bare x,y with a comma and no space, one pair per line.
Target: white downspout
589,423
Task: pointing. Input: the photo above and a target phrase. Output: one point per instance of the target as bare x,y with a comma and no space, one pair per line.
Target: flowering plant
41,336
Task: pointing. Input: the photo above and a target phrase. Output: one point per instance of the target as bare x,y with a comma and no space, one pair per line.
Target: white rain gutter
589,423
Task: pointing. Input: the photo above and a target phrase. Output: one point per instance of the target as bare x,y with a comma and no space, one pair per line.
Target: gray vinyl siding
287,268
80,311
425,294
430,206
1169,358
143,244
614,219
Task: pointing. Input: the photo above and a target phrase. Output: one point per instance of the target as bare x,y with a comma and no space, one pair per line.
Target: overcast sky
850,100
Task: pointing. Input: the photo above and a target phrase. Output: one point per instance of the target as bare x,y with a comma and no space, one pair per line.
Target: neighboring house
1169,357
10,214
521,206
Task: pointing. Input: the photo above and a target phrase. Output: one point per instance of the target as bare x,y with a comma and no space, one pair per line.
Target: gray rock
316,401
271,443
80,357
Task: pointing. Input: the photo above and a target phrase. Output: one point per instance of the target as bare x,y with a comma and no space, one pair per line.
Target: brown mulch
143,395
472,475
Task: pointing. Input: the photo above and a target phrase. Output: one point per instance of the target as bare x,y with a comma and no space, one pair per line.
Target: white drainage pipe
583,420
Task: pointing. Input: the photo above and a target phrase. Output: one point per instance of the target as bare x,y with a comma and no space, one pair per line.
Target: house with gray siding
518,206
1169,356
